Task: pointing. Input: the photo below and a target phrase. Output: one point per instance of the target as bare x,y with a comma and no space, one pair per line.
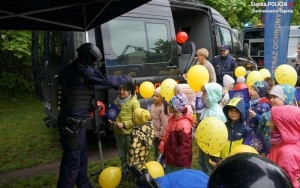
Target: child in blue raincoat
236,124
259,104
212,94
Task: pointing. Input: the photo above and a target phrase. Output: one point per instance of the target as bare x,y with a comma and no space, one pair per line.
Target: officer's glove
129,80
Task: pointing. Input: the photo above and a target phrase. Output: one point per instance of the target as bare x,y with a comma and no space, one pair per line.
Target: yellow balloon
168,81
253,77
240,71
286,74
211,135
197,76
146,89
110,177
155,169
243,149
265,73
167,89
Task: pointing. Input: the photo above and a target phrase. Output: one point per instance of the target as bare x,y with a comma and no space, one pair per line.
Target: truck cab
256,51
141,43
254,38
294,39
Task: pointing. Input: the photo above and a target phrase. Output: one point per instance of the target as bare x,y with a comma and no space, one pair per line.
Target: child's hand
252,114
119,125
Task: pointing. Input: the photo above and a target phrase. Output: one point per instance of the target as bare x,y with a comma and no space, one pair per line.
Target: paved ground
94,156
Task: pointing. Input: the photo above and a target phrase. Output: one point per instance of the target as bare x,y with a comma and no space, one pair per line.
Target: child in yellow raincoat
142,136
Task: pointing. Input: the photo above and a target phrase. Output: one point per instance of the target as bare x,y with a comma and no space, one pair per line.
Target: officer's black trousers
74,163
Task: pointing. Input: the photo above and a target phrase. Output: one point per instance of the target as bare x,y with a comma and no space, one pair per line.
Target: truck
140,43
294,40
254,38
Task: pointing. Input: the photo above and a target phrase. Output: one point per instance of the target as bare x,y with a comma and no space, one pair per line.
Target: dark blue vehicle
140,43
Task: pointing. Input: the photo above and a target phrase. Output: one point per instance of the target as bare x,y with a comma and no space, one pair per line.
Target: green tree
237,12
240,12
15,61
296,13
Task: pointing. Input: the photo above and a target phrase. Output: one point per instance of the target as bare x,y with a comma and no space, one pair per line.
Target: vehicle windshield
146,53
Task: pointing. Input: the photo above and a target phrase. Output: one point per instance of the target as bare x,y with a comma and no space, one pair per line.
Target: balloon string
124,165
147,105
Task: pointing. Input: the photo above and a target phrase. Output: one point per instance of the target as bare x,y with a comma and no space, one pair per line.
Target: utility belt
73,130
76,124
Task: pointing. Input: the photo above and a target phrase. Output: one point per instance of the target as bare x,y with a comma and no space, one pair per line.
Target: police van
141,43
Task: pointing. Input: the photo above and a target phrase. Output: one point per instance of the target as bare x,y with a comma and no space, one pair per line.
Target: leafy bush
15,62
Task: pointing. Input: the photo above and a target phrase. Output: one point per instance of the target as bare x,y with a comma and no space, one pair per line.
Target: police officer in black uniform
77,81
224,64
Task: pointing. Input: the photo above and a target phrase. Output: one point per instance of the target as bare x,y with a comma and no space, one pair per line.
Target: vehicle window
157,39
142,46
127,37
236,45
56,46
252,34
225,38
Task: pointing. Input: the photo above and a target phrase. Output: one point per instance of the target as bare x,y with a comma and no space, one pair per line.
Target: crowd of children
251,123
269,122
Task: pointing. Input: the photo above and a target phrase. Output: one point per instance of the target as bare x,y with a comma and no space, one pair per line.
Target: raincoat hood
214,93
287,118
140,116
285,92
239,104
289,94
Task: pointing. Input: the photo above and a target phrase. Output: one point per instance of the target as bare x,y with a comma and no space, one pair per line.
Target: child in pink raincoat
285,139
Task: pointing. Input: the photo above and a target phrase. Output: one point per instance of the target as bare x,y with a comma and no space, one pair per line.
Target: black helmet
248,170
89,50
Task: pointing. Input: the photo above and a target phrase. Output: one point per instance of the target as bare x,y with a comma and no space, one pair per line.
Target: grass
24,138
26,142
49,180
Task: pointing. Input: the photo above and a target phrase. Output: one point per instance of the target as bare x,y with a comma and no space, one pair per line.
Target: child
236,125
177,142
228,84
241,79
280,95
259,104
271,84
285,134
211,94
159,119
127,101
141,137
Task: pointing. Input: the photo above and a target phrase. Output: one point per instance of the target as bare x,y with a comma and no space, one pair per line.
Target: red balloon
101,107
181,37
239,86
